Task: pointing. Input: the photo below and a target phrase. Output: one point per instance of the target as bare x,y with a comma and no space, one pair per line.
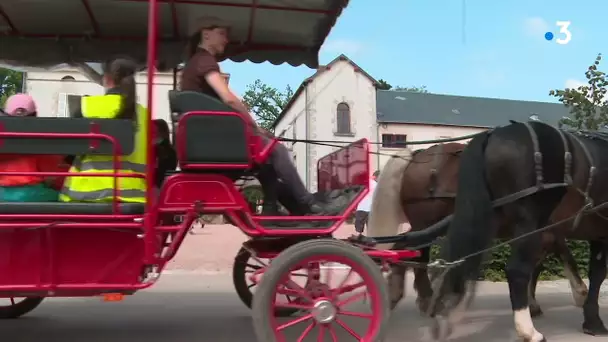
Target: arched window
343,118
68,78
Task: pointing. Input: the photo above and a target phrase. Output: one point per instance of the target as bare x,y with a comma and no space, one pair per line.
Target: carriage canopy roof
42,33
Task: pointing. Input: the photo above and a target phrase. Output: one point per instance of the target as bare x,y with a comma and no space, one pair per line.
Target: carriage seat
217,140
123,131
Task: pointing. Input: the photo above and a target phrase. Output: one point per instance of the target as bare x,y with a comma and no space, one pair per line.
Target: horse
424,195
518,175
422,190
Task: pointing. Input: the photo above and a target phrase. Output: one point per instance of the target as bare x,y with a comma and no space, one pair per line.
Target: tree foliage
266,102
588,103
384,85
421,89
11,82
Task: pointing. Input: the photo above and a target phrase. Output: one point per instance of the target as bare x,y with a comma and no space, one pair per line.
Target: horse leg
578,286
535,310
593,324
396,284
520,267
422,283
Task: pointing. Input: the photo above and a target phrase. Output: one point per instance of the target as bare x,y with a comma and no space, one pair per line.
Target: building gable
321,70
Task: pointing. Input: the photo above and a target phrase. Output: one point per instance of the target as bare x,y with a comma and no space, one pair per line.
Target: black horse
520,173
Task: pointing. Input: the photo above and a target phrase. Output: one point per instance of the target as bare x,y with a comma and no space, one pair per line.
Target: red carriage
98,249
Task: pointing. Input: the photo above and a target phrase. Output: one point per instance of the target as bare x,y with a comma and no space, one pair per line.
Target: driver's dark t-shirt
193,74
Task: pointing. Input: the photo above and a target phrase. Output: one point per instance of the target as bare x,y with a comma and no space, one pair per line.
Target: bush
553,268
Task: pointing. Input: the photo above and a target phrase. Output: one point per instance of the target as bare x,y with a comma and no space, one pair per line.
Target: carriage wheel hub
324,311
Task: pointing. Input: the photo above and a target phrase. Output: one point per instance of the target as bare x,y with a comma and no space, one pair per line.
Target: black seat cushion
208,139
69,208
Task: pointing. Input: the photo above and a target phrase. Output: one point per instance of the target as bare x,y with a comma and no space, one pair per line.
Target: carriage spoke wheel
14,307
244,267
345,300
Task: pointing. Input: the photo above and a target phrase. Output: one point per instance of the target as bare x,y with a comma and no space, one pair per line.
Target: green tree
383,85
588,103
266,102
11,82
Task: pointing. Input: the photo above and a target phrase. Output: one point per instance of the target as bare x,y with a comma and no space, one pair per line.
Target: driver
202,74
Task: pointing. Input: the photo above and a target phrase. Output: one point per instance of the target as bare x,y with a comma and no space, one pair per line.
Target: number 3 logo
563,28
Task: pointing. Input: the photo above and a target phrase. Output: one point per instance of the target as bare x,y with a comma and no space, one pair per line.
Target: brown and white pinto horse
420,187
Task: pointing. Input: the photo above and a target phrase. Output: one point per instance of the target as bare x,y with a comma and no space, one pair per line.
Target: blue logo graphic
549,36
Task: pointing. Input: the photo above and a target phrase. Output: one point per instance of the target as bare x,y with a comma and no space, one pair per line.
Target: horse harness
439,161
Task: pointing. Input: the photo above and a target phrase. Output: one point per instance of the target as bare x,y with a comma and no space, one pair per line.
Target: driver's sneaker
325,208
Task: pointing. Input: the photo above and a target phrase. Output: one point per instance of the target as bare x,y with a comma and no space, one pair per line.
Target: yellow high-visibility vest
100,189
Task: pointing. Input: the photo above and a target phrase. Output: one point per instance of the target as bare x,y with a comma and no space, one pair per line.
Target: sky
498,49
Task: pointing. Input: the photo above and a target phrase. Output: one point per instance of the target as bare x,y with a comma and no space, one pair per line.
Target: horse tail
471,227
386,213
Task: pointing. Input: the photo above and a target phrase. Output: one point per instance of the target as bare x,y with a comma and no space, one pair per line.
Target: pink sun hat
20,105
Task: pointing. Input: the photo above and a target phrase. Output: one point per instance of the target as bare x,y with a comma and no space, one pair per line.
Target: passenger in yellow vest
119,102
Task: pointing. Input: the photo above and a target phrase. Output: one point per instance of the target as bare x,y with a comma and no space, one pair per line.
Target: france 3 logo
563,30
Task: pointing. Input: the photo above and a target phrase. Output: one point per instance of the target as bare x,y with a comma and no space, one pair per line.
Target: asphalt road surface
203,307
195,302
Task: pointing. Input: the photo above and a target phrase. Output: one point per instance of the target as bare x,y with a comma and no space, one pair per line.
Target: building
341,102
406,116
57,90
338,102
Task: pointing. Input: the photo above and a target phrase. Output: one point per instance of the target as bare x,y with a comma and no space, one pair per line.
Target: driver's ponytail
193,42
122,73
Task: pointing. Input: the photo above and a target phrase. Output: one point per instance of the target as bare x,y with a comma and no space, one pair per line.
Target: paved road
203,307
195,301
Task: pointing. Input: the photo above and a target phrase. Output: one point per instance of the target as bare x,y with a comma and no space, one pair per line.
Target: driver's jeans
282,168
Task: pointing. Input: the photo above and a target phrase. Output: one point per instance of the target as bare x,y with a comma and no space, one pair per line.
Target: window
68,105
343,118
394,140
68,78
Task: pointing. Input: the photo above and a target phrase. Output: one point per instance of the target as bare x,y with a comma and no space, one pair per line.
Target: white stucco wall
340,83
46,87
418,132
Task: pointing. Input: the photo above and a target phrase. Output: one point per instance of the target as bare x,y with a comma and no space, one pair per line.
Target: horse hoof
595,329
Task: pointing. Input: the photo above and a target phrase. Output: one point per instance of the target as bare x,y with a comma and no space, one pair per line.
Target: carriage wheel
326,301
17,307
244,266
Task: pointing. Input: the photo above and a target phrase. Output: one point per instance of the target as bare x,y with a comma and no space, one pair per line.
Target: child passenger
28,188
